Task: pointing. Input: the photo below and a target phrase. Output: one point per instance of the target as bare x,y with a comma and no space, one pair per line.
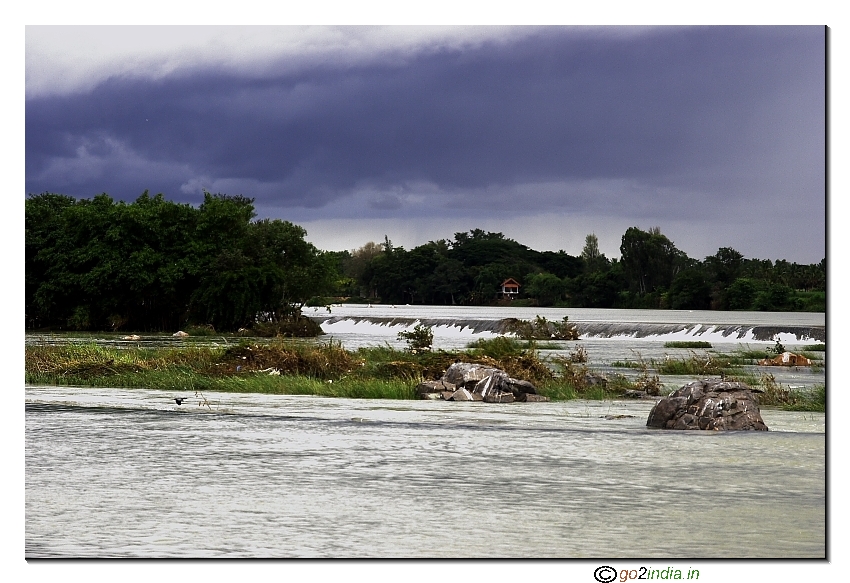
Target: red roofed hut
510,288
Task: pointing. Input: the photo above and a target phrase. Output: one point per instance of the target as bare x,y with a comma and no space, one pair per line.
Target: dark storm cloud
668,121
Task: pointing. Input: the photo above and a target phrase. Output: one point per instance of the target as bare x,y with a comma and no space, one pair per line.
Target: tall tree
650,260
591,248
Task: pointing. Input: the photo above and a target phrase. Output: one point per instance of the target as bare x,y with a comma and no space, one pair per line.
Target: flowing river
129,473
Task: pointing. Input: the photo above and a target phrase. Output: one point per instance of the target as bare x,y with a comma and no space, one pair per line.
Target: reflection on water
115,472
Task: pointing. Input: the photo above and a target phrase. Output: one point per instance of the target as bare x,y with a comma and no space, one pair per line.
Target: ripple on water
125,473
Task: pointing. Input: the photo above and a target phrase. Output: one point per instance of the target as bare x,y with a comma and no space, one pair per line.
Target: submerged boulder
433,389
709,404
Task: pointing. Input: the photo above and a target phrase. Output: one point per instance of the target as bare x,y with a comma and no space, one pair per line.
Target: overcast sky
714,134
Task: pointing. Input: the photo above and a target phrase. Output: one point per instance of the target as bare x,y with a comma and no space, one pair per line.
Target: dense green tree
546,288
156,265
689,291
592,258
357,264
773,297
650,260
741,294
451,280
599,289
561,263
488,280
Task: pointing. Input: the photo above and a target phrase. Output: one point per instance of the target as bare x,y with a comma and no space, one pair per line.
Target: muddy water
128,473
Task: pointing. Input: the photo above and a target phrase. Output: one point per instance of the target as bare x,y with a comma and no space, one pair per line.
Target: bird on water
179,400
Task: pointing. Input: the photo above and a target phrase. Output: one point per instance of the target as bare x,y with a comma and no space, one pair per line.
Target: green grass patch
687,344
500,346
776,395
815,347
694,366
187,381
559,392
626,364
201,331
276,367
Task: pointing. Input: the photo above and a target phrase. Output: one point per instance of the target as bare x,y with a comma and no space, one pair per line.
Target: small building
510,288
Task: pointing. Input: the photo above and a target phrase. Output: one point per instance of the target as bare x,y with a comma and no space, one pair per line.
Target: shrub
777,348
794,400
542,329
699,365
203,330
687,344
419,339
499,347
578,355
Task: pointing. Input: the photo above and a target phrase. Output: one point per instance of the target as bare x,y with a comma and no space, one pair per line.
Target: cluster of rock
786,359
709,404
465,381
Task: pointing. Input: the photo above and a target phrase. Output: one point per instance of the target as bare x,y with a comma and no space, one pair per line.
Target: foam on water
447,321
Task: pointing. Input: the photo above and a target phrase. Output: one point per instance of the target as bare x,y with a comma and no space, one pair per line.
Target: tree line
651,273
153,264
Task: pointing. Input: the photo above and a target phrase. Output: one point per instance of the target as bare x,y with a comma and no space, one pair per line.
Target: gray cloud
661,126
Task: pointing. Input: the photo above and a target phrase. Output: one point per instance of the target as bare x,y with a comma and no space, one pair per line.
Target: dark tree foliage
650,260
562,264
158,265
97,264
689,291
598,289
652,273
546,287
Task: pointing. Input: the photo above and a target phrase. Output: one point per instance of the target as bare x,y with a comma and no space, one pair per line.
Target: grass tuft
687,344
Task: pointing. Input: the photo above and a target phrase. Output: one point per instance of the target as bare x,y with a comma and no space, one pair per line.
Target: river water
129,473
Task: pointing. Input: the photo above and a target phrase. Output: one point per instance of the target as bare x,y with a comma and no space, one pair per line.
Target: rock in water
461,395
709,404
786,359
486,380
432,389
465,374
